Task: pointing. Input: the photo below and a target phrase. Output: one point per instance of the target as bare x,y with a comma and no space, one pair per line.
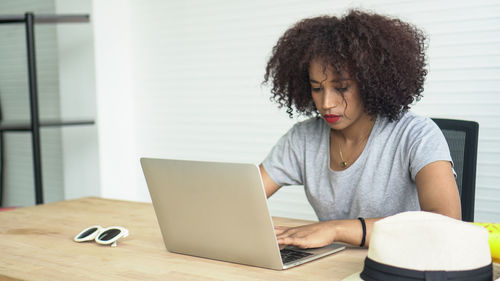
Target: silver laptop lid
213,210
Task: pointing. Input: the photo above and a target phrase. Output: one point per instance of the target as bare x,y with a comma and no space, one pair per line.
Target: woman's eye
316,89
341,90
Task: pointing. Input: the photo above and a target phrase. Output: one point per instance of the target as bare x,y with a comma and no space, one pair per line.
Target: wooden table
36,243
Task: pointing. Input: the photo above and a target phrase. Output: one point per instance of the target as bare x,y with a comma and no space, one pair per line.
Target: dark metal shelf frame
33,125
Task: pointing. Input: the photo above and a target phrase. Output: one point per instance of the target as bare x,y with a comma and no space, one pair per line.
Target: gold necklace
344,164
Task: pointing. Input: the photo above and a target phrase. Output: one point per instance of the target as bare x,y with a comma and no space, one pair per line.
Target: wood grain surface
36,243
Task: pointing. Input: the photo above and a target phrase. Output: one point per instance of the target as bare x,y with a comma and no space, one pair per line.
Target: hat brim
353,277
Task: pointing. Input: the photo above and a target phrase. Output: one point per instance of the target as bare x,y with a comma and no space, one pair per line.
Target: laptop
219,211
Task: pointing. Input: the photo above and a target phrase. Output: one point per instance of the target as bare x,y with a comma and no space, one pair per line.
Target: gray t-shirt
381,182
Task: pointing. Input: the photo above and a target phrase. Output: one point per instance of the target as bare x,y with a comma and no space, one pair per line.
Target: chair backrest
462,138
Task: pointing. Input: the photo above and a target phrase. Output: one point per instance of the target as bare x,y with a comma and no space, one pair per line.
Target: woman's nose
330,99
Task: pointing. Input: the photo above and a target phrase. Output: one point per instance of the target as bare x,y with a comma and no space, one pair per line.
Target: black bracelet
363,225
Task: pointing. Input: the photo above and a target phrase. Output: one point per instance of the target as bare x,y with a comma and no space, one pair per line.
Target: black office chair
462,139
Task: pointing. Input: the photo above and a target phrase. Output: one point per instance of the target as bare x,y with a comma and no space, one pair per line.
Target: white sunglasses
104,236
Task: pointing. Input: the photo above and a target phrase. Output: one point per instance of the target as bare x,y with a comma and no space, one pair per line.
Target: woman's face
335,96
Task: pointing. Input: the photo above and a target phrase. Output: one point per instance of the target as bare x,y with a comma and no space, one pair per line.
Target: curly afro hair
385,56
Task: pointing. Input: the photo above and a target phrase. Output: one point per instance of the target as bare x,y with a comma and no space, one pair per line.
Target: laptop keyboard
289,255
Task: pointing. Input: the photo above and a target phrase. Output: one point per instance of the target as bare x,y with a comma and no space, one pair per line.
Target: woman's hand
325,233
307,236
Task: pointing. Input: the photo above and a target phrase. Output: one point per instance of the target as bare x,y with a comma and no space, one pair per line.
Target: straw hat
426,246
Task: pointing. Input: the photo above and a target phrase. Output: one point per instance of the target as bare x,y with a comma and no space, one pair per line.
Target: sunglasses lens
87,233
109,234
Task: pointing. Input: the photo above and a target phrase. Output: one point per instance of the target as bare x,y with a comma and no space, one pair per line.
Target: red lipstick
330,118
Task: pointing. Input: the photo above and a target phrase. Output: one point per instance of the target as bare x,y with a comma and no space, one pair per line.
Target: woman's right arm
269,185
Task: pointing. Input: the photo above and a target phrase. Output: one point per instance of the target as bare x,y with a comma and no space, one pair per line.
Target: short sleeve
427,145
284,163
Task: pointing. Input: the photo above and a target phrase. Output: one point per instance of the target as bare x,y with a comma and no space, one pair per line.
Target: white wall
181,79
116,99
77,92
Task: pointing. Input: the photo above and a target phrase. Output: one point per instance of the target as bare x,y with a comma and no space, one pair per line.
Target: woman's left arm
437,189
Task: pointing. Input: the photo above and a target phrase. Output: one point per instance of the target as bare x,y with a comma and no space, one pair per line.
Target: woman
362,156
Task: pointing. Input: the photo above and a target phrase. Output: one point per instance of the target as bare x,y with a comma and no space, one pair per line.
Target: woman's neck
358,131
